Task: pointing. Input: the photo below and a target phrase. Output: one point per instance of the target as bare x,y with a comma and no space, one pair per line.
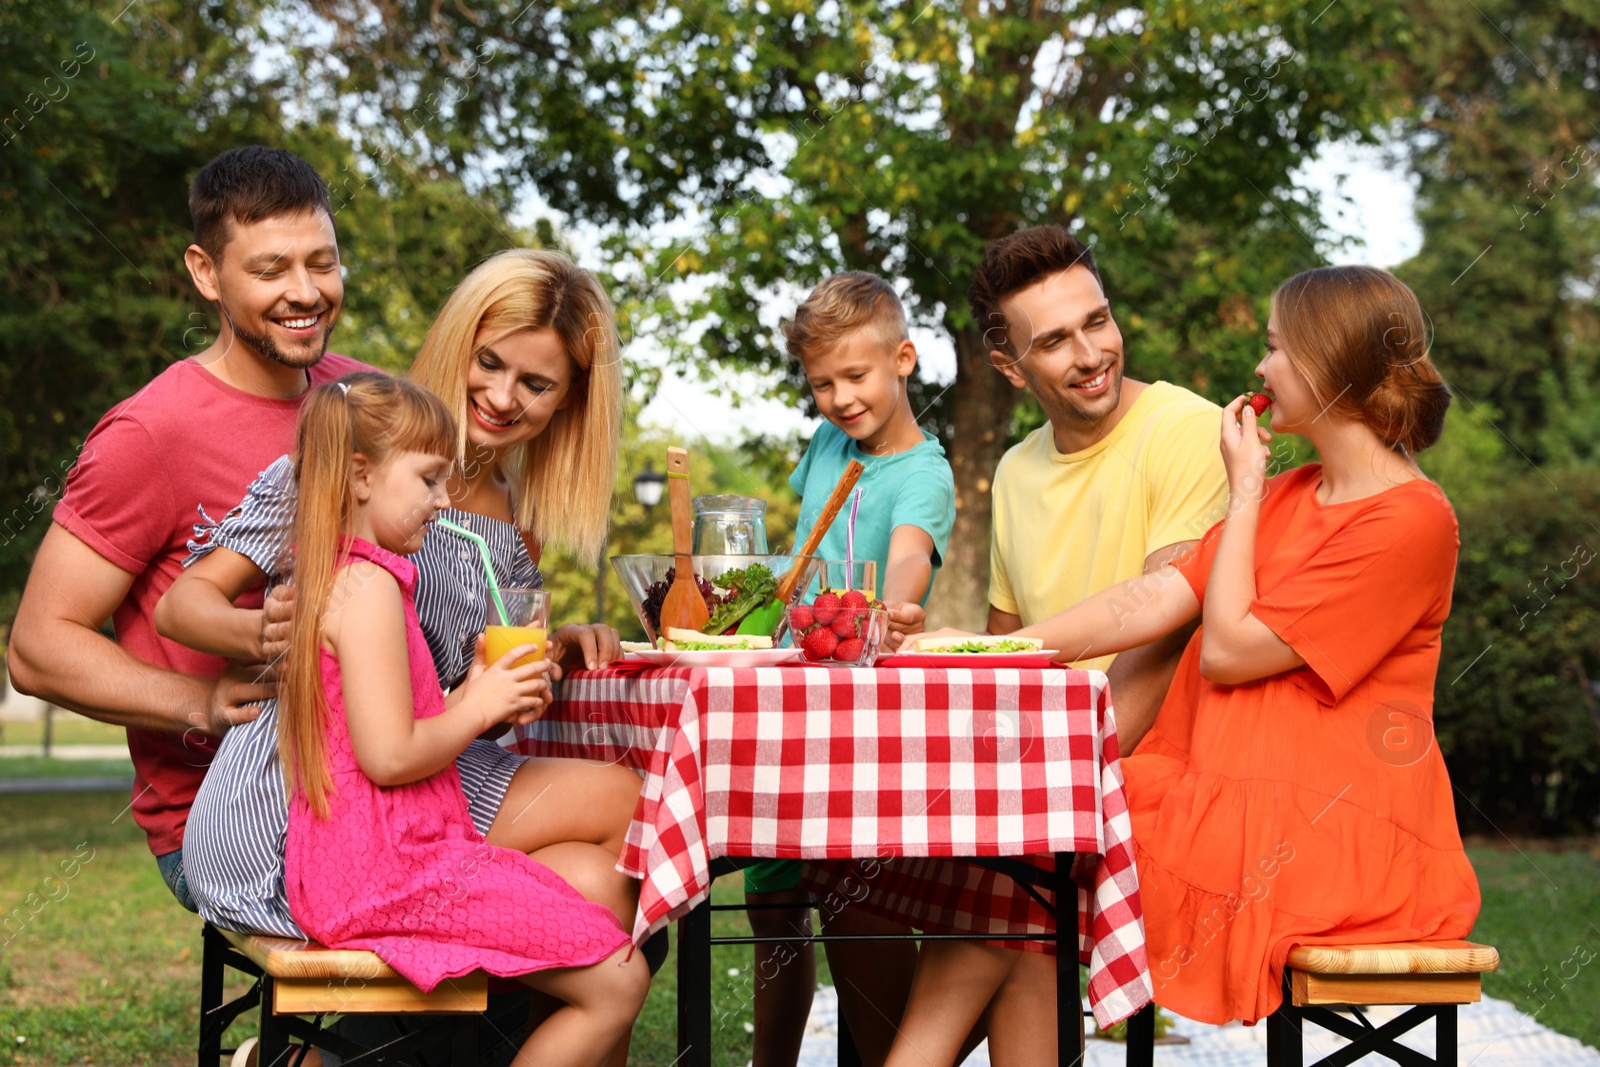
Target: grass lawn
1541,909
66,728
103,967
39,767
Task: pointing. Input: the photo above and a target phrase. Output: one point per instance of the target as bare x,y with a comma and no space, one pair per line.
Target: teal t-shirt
910,488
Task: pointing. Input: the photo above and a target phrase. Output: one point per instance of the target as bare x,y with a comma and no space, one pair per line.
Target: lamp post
648,486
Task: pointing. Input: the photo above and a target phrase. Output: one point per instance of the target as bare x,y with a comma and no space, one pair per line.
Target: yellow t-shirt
1067,526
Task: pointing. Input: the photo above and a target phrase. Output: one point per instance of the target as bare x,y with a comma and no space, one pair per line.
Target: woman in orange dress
1290,792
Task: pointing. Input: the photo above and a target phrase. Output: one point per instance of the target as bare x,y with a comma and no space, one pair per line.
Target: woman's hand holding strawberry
1244,451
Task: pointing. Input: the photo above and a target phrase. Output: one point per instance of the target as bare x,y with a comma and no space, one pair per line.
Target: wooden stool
1321,979
296,978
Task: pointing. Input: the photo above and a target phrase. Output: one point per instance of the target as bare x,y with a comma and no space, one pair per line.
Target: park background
713,162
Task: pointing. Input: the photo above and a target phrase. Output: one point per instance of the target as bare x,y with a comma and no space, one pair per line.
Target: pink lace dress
402,872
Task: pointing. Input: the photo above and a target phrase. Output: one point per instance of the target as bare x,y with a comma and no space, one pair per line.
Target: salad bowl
738,590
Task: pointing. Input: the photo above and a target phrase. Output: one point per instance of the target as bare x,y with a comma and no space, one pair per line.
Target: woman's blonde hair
562,479
376,416
1358,337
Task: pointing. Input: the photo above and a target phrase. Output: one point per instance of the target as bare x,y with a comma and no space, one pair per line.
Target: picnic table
915,770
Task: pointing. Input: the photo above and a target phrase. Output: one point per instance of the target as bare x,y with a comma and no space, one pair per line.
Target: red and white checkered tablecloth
874,765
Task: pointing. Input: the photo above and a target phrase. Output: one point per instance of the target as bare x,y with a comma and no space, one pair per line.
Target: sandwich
986,643
677,640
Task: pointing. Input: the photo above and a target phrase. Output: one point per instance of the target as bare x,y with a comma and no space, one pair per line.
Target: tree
92,178
900,138
112,119
1508,153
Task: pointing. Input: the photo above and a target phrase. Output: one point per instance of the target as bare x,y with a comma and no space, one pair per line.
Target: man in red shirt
161,464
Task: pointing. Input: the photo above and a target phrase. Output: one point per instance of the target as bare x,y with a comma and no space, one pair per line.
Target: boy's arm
910,565
906,580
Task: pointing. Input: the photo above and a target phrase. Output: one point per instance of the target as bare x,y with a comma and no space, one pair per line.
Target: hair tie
344,386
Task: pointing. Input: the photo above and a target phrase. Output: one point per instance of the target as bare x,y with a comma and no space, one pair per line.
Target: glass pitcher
729,525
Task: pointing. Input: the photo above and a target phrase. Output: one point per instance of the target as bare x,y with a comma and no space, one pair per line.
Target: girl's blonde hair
562,479
376,416
1358,337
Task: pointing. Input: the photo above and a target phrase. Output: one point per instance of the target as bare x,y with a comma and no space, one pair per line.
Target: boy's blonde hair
839,306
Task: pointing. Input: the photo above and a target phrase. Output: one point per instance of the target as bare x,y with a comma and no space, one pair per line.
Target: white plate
733,657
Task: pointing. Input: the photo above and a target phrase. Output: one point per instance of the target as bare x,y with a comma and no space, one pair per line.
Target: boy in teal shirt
850,336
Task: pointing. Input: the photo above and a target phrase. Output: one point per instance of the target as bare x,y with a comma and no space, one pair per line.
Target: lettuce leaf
707,646
984,646
753,586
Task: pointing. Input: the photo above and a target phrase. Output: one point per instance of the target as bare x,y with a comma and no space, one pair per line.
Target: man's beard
266,347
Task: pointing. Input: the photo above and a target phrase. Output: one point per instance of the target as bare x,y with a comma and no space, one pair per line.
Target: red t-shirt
157,470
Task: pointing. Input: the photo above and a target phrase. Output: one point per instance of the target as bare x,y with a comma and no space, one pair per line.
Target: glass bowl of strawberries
839,629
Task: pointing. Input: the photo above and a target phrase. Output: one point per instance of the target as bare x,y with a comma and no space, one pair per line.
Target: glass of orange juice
527,623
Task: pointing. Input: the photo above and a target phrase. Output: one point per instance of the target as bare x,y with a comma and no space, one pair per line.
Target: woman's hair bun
1360,339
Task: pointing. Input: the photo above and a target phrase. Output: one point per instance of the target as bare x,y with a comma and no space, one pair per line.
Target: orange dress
1310,807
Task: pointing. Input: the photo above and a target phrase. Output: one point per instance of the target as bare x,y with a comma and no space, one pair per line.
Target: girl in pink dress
382,854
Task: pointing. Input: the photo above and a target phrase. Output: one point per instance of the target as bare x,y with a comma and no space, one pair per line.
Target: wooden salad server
830,511
684,608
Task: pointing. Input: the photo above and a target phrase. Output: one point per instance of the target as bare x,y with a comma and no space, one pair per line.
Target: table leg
694,987
1069,1009
848,1054
1142,1037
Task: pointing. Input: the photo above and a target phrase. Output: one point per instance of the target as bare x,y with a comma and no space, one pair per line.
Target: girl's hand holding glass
507,691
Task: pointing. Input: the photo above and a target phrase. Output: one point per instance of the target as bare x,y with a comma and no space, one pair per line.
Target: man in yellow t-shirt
1123,478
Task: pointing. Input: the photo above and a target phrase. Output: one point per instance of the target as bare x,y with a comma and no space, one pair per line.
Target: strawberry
1259,403
819,643
855,598
800,618
846,623
825,607
849,650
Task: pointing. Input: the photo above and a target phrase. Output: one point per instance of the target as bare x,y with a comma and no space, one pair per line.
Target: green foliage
1515,709
109,120
1470,447
91,187
1504,143
1538,911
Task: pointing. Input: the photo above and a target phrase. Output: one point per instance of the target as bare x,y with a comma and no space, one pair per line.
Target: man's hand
277,616
236,697
905,620
584,646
